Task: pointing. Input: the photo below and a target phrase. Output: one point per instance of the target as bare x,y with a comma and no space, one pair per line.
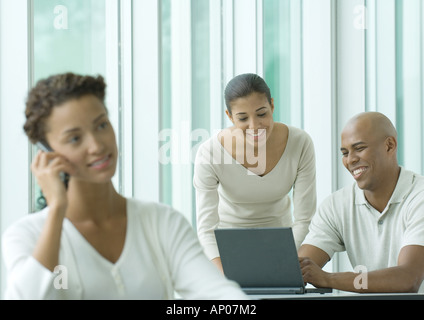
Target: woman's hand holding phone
47,168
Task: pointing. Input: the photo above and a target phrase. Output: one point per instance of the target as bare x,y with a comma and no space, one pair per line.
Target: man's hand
313,274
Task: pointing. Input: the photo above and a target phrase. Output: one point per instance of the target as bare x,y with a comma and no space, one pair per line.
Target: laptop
262,260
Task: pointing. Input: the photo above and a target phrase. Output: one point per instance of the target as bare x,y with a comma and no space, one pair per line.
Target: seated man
378,221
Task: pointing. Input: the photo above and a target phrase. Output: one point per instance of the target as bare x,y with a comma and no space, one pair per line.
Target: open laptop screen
260,258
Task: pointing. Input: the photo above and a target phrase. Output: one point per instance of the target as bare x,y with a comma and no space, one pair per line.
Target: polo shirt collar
402,189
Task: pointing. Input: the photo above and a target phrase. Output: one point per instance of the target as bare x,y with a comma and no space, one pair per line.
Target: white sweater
161,257
229,196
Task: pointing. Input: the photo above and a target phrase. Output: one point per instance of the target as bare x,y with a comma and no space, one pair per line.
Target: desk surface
342,296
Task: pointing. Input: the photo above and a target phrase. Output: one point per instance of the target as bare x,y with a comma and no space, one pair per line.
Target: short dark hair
243,85
54,91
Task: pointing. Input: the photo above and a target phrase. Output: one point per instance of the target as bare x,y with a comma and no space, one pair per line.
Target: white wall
14,148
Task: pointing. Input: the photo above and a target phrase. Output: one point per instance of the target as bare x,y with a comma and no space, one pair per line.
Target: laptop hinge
273,290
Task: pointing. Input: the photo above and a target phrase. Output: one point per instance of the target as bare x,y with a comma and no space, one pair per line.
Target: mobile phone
44,146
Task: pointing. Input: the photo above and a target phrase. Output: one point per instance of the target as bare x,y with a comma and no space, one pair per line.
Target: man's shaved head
375,123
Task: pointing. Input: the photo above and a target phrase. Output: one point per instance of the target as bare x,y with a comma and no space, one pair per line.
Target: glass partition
282,51
68,36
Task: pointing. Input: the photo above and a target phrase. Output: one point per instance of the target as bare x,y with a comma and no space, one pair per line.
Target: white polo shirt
345,221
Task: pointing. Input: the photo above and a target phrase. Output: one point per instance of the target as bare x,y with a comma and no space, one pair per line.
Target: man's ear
391,144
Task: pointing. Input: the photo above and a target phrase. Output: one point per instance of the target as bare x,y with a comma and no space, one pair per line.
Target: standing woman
243,175
90,242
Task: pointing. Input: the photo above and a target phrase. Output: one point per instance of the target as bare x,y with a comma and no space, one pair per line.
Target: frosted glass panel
68,36
282,51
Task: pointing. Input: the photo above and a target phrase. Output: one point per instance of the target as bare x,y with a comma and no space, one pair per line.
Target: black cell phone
44,146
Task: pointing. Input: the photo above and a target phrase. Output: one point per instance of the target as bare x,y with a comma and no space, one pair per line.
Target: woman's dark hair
243,85
54,91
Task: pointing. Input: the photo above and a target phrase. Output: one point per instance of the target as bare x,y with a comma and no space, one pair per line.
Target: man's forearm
396,279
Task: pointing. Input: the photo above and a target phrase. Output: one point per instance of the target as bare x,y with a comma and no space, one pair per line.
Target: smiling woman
243,193
110,247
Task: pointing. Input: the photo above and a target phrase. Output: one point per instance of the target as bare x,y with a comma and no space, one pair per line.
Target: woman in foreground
90,242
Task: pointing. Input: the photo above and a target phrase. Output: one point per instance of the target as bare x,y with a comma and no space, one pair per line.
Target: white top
345,221
228,195
161,257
